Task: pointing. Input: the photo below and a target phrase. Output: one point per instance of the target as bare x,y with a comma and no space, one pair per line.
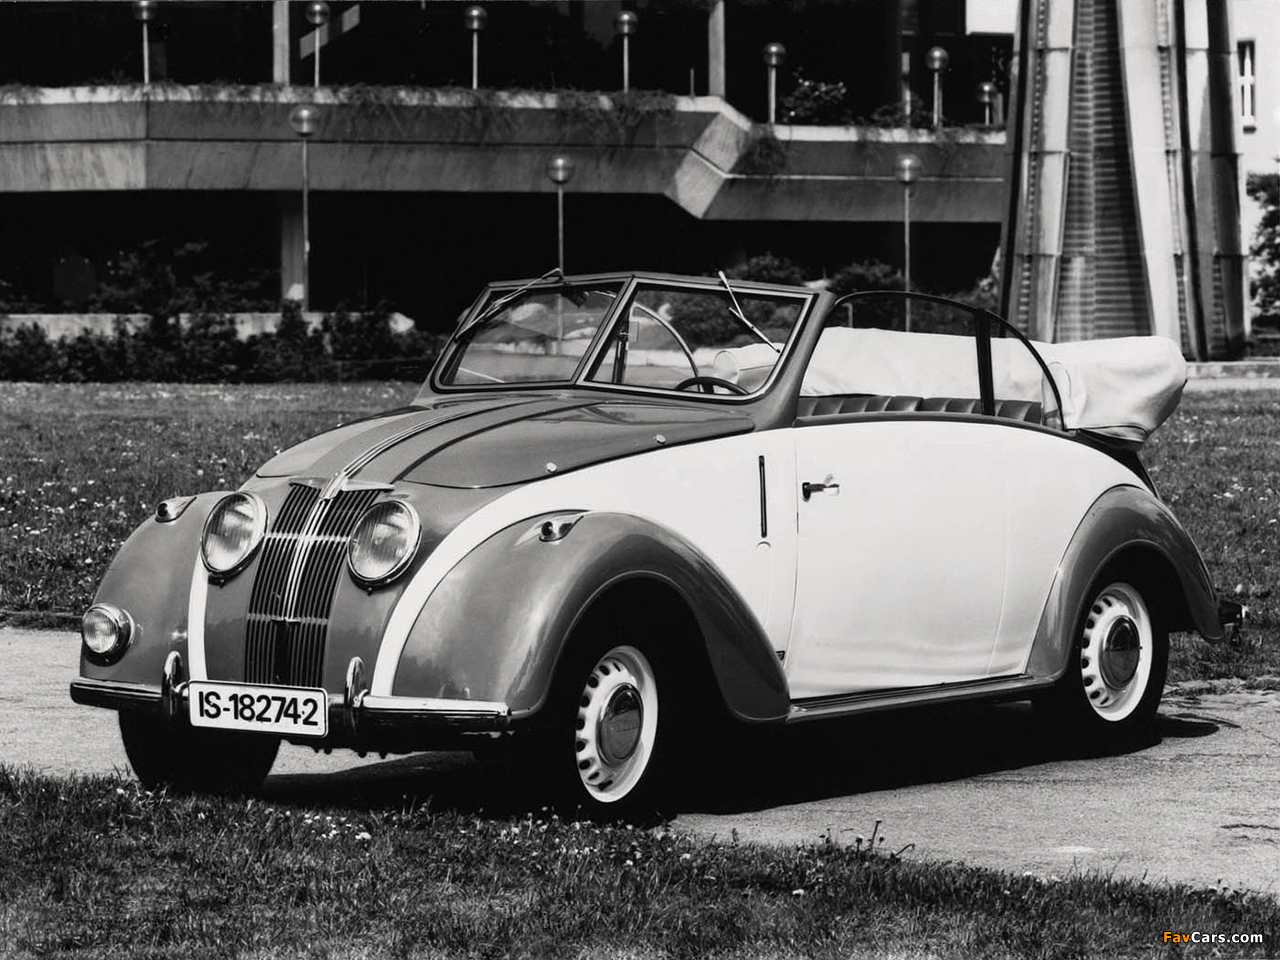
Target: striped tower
1124,207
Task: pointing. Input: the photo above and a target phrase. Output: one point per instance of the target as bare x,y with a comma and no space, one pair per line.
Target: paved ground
1210,384
1201,806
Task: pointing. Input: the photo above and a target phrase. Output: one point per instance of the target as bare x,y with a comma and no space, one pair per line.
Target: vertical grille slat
302,562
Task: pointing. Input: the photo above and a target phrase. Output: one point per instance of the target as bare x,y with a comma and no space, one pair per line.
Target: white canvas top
1121,388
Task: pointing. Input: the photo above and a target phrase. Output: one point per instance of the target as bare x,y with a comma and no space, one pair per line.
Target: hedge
205,348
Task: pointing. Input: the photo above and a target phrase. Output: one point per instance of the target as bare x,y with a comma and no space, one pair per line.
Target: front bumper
357,719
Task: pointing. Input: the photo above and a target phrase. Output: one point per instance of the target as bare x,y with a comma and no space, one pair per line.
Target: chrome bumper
356,718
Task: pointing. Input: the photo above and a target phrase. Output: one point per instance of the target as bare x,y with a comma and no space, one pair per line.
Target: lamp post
907,170
937,60
304,118
144,11
560,172
476,18
775,54
317,16
987,97
626,25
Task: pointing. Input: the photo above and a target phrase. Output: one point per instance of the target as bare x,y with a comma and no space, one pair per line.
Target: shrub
816,102
869,275
204,348
26,353
768,268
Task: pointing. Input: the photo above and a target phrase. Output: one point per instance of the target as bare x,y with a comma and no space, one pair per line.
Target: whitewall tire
1116,669
616,725
1117,649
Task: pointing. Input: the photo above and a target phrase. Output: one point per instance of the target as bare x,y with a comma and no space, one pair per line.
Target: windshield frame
804,297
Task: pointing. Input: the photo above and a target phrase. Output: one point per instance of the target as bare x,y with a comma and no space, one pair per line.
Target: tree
1264,188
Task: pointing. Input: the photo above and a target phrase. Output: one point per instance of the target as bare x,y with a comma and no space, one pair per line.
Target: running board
999,688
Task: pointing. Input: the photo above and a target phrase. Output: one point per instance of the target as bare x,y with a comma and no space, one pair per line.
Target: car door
901,557
902,516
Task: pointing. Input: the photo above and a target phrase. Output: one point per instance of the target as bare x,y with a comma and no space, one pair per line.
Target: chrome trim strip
393,705
339,480
823,707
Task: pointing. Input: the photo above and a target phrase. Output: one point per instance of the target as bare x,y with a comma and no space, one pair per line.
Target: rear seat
1025,410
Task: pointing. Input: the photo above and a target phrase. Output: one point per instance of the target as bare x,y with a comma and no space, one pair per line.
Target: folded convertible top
1120,389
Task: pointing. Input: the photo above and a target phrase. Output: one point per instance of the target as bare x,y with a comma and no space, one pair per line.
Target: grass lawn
97,867
82,464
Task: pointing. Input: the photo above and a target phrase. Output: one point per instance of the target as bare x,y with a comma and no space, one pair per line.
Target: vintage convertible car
626,509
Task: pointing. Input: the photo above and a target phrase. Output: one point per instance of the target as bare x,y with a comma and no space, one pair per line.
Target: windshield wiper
496,307
737,312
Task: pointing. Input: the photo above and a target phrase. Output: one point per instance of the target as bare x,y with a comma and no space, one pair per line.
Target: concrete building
1256,28
421,188
1125,212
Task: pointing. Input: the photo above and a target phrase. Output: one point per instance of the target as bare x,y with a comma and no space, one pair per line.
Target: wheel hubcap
620,725
1120,652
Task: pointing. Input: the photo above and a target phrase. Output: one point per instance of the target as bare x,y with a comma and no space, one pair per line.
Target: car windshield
530,336
721,338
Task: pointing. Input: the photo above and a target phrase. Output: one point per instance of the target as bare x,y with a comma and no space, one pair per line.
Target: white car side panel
708,493
901,574
1058,483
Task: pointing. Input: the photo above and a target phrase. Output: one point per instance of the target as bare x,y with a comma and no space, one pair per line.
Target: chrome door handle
827,486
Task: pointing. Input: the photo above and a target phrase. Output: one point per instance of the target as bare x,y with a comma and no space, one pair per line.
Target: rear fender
1125,524
497,624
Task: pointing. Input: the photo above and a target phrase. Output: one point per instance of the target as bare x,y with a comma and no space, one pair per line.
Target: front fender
496,625
150,577
1123,519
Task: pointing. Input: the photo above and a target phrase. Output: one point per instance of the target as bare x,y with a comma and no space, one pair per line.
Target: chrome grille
302,559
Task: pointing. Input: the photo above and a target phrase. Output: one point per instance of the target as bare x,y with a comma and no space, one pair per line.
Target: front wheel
1116,671
188,759
606,737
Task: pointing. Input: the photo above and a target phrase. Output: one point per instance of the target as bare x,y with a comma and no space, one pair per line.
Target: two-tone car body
626,504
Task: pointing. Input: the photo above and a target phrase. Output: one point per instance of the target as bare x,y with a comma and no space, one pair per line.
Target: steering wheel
707,383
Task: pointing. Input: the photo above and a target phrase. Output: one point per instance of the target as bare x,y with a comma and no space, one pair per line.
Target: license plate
286,711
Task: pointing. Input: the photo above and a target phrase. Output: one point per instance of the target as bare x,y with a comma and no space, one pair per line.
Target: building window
1248,84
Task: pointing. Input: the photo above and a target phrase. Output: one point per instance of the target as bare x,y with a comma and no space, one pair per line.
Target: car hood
473,442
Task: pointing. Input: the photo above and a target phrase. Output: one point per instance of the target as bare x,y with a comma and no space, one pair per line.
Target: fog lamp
106,631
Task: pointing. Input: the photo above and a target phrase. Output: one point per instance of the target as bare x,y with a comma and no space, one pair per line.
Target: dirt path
1201,806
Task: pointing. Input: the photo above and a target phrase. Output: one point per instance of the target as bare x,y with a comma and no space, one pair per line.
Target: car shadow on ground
750,771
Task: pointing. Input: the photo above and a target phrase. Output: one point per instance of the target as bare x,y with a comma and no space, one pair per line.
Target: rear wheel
1116,671
187,759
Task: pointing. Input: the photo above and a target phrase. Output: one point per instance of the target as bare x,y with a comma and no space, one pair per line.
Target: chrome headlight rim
258,533
122,625
413,542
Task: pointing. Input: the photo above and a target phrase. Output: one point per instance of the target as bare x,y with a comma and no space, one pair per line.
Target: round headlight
106,630
232,532
384,542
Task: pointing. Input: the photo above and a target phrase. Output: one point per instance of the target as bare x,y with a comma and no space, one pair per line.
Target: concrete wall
702,154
